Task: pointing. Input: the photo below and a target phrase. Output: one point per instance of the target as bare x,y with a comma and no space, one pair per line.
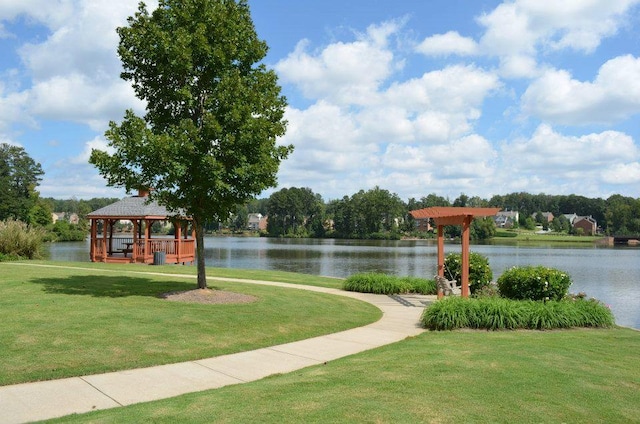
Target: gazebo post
104,240
177,232
466,226
135,248
94,236
148,252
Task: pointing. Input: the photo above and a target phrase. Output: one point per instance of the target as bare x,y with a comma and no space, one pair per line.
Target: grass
444,377
531,236
93,318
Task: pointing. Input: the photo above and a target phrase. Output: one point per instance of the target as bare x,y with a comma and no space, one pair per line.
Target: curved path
50,399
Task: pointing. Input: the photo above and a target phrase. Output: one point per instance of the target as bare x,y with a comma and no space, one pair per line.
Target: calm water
609,274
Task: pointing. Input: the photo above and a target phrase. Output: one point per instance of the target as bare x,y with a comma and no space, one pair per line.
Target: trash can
159,258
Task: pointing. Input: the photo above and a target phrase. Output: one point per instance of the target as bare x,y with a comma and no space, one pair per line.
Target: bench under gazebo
139,246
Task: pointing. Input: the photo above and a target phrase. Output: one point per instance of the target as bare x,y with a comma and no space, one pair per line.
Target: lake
611,274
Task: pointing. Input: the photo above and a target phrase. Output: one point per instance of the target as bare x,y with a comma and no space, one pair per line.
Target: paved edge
56,398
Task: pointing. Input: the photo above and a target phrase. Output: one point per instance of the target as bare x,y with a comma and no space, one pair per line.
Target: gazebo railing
142,250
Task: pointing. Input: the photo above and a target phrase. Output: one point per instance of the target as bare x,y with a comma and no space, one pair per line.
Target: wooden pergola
139,246
442,216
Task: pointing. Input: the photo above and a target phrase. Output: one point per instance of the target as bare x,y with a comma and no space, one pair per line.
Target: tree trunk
202,274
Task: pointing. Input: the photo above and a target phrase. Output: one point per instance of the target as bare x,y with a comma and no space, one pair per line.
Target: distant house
71,218
588,225
571,217
548,216
506,219
423,223
256,222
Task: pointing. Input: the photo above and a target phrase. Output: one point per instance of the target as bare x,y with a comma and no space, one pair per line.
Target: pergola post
441,250
466,227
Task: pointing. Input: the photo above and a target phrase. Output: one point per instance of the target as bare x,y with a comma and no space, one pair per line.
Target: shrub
65,231
18,240
379,283
480,274
490,290
534,283
506,314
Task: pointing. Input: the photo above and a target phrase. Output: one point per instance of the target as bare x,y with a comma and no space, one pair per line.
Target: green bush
534,283
506,314
18,240
379,283
490,290
65,231
480,273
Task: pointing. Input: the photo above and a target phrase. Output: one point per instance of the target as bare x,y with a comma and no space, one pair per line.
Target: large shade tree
209,138
19,177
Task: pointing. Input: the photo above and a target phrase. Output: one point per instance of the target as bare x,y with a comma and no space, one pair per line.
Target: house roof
133,207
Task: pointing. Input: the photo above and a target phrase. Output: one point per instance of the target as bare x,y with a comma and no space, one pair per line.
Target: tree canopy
19,177
209,138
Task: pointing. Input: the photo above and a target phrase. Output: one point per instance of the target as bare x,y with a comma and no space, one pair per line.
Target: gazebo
454,216
139,246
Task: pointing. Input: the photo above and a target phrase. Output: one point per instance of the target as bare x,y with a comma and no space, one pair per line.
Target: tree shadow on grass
111,286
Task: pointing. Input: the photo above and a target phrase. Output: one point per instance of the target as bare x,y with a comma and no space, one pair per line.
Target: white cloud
450,43
12,107
579,163
614,94
51,13
345,73
98,143
625,173
75,71
518,31
77,98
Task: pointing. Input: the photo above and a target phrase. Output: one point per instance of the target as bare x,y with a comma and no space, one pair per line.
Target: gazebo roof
133,207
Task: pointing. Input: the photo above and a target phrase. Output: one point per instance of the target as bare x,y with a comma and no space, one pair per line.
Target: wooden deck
128,250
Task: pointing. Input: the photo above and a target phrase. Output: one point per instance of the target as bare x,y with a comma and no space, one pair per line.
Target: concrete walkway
50,399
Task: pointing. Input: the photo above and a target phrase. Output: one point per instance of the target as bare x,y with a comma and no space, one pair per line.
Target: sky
416,97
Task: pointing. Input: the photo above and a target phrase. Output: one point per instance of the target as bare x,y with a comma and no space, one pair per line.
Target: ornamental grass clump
450,313
19,241
480,273
492,313
534,283
379,283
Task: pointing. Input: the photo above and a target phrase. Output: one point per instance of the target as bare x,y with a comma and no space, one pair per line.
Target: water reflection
609,274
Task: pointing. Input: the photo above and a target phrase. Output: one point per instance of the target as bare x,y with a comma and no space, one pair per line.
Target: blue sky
445,97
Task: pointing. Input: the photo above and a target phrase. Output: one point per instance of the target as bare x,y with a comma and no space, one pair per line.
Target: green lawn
531,236
574,376
94,318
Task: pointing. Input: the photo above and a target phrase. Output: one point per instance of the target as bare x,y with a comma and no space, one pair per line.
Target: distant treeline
379,213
